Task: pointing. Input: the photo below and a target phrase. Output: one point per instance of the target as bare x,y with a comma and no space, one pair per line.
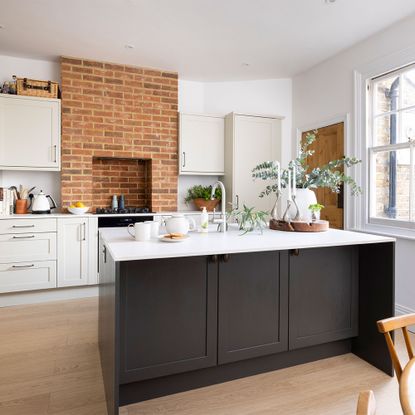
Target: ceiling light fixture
330,1
129,46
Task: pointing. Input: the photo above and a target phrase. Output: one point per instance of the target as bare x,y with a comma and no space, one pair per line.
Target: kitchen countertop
124,248
92,215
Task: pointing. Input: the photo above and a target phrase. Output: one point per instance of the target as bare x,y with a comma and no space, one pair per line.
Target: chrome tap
222,224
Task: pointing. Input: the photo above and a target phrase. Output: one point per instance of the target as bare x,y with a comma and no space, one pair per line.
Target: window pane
408,88
387,95
408,125
392,184
386,130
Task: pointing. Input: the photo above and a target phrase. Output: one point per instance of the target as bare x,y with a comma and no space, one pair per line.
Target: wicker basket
35,88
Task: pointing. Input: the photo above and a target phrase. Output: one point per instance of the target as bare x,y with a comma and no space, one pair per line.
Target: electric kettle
40,203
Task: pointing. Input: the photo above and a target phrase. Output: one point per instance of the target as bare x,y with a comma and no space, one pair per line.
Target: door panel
256,140
168,317
328,146
253,310
323,295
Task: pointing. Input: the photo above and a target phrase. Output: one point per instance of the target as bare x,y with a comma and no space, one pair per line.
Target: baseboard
42,296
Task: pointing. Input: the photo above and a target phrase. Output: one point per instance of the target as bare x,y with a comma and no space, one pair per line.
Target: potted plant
249,219
331,175
201,197
315,211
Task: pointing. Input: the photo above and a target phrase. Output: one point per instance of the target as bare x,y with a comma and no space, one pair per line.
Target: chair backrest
366,405
394,323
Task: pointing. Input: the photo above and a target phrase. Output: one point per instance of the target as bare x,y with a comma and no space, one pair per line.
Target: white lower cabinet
73,251
25,276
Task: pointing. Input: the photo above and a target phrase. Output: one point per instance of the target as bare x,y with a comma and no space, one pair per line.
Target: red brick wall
117,111
129,177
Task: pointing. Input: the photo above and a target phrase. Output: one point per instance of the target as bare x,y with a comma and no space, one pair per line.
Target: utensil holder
21,206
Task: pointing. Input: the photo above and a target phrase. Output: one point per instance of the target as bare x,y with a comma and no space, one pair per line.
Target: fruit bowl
78,210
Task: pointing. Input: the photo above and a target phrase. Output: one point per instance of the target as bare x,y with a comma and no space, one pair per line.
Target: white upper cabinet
30,133
201,144
249,140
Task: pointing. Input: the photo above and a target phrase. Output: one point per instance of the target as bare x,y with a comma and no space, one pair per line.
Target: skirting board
401,310
42,296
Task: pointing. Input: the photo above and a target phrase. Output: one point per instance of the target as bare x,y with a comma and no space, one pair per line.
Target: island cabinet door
253,306
168,317
323,295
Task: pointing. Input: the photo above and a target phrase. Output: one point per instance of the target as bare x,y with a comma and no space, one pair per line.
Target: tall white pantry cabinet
249,140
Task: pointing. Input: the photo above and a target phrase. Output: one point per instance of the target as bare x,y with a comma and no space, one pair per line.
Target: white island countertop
123,247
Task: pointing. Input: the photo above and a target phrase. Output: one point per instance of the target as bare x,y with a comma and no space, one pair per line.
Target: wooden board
317,226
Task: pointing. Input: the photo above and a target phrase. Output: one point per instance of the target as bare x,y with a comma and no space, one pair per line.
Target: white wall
36,69
262,97
326,91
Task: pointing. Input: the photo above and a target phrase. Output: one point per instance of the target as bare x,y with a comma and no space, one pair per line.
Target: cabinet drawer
24,276
27,225
27,247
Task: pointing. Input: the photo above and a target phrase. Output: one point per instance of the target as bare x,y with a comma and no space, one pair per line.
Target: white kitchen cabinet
93,250
201,144
73,251
249,140
25,276
30,133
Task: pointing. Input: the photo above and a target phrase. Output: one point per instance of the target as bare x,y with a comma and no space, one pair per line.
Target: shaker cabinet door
253,306
29,133
167,317
323,295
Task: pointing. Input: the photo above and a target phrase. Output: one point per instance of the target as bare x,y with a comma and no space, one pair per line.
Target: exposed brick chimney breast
117,119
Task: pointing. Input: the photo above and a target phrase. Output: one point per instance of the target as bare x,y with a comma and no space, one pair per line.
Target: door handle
55,152
226,257
184,159
84,233
104,252
23,266
237,202
214,259
24,237
294,252
22,226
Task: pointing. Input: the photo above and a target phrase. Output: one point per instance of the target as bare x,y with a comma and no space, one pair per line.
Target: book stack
6,202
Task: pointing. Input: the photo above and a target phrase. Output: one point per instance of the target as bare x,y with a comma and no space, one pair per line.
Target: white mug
142,231
155,228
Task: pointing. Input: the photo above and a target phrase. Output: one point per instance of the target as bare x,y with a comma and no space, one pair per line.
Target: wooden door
253,306
329,146
323,295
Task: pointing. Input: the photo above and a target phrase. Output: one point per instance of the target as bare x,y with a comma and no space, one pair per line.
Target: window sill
392,231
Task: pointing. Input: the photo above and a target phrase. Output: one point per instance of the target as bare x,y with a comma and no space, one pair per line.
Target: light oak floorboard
49,365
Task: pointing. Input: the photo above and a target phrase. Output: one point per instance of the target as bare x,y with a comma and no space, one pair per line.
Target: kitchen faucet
222,224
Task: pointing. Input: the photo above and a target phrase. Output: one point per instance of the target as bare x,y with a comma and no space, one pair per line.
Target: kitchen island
220,306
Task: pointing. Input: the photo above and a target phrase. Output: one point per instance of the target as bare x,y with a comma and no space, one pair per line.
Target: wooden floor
49,364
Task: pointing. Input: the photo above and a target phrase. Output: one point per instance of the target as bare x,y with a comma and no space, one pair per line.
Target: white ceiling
201,39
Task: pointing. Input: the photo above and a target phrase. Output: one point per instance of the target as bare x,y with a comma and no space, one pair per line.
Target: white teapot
180,224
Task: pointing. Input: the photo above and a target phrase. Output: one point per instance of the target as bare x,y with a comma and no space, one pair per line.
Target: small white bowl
78,211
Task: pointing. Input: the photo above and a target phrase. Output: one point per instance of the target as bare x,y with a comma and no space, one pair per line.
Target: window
391,127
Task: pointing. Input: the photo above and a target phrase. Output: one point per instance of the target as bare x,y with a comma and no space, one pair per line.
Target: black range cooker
109,218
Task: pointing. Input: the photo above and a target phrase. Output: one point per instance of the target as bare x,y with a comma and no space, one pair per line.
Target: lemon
79,205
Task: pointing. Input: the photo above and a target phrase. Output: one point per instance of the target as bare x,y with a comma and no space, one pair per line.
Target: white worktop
124,248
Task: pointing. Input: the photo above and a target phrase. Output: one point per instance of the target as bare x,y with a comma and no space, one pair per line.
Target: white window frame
361,147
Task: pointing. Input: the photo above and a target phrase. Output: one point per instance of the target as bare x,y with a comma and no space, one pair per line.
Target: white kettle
40,203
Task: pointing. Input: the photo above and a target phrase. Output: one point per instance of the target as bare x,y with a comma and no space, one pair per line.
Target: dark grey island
217,307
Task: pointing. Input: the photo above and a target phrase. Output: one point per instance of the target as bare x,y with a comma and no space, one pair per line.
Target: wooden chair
366,405
391,324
